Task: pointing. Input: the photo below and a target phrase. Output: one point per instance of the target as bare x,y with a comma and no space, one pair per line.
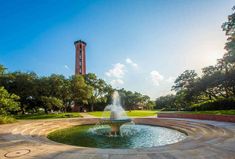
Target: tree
133,100
51,103
100,89
216,84
81,92
150,105
166,102
21,84
59,87
229,28
56,85
2,69
184,85
185,80
8,102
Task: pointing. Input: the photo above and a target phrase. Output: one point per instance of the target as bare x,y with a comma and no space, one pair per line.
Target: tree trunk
45,110
92,107
22,111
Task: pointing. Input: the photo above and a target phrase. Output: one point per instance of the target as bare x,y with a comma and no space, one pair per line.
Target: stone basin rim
179,130
175,125
213,137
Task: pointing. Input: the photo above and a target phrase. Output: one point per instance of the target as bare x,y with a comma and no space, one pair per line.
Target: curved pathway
206,139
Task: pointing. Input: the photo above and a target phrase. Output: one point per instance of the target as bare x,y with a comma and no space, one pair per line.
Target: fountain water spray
115,109
117,118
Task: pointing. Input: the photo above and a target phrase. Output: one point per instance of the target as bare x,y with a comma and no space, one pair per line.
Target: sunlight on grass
48,116
133,113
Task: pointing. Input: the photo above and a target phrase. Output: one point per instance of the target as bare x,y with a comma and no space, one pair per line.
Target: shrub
8,102
221,104
6,119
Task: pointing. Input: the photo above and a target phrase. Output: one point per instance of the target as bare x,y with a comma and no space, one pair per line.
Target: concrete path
206,139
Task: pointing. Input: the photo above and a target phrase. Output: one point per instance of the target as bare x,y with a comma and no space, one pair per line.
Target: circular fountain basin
110,121
133,136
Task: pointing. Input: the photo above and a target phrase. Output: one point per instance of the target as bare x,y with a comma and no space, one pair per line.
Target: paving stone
129,157
206,139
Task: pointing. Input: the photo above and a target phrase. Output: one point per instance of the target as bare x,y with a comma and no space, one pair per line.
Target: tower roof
79,41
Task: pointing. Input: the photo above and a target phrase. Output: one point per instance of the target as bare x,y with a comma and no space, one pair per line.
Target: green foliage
21,84
220,104
215,89
101,90
51,103
81,92
55,86
212,112
229,28
8,102
150,105
134,100
185,80
57,93
166,102
6,119
2,69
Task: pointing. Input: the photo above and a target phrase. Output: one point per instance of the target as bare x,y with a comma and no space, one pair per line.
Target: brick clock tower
80,59
80,66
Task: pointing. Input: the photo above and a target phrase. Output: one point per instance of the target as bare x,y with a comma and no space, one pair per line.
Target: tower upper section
80,57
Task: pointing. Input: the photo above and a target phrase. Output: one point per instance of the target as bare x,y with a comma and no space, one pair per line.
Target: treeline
214,89
29,93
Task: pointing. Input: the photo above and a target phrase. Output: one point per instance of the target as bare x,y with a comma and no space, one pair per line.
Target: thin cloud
67,67
116,82
156,77
133,64
118,71
170,79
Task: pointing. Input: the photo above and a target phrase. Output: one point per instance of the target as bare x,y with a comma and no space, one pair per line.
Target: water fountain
118,116
114,131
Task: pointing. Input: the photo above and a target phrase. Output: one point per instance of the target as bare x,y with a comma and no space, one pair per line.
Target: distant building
80,57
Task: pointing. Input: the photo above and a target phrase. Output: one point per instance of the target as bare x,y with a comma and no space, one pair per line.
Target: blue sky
141,45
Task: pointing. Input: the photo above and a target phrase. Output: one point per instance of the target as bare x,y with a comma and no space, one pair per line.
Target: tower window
80,55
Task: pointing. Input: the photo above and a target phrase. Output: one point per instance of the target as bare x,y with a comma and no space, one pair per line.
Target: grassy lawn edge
212,112
48,116
133,113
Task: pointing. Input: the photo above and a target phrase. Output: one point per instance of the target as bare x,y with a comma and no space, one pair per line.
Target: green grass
133,113
213,112
6,119
47,116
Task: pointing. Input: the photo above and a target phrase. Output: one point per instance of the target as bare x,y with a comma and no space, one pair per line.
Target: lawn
48,116
213,112
133,113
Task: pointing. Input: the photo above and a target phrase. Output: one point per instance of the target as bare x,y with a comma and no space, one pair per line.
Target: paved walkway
206,139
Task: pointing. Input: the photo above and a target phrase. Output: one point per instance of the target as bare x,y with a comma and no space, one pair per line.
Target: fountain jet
118,116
